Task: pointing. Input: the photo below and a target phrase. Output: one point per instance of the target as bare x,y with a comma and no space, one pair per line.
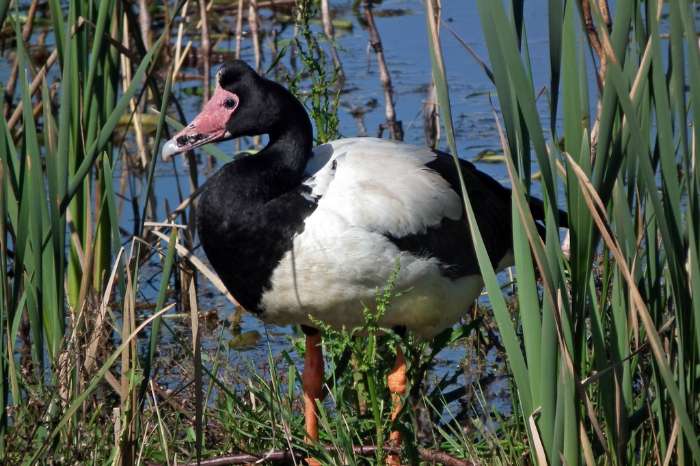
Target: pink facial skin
208,126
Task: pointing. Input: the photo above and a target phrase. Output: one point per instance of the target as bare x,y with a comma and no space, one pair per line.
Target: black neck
289,150
250,210
291,138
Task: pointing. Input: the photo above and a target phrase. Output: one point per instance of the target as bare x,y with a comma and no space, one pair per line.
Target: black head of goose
296,231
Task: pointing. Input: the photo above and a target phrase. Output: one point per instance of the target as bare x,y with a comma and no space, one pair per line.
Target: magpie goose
296,231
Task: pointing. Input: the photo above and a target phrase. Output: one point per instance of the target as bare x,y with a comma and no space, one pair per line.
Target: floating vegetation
244,341
490,156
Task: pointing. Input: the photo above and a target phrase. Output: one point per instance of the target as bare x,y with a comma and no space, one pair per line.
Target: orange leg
312,381
396,380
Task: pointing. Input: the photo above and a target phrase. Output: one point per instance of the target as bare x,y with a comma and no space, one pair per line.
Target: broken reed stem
329,31
126,81
597,47
205,46
197,355
605,12
145,24
36,82
593,38
98,333
239,28
327,21
431,456
239,35
36,110
26,34
431,117
179,55
394,126
255,37
205,52
254,33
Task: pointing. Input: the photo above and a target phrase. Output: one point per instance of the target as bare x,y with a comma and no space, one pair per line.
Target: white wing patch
381,186
335,269
366,189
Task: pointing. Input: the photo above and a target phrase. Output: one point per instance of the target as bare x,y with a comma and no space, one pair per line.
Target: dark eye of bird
229,103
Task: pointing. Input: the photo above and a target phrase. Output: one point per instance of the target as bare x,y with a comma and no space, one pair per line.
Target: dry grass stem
394,126
145,23
329,31
199,265
133,104
26,35
205,50
98,330
253,26
239,28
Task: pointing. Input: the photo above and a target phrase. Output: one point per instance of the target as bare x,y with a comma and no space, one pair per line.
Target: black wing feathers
450,242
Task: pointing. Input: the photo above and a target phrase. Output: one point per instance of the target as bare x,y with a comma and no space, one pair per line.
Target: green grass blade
168,263
33,195
105,9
